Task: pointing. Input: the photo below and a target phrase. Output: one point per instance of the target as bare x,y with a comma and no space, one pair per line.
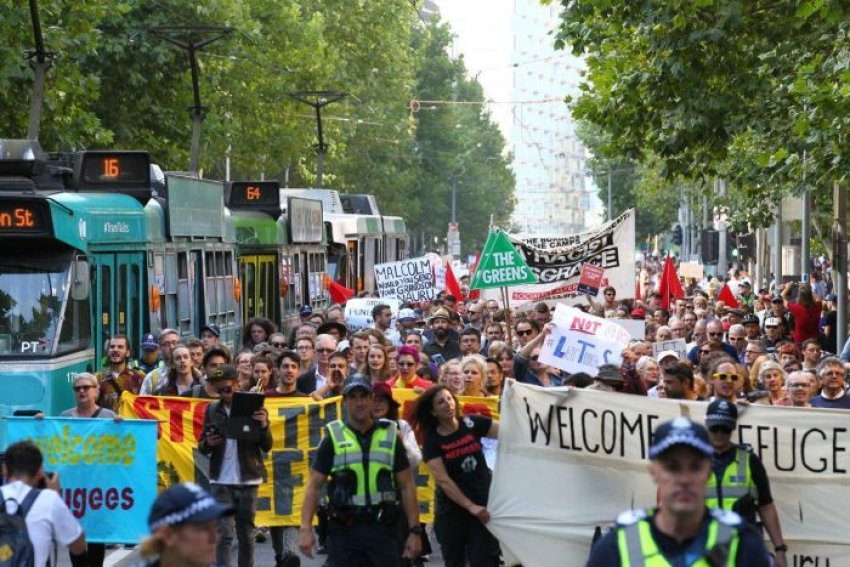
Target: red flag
670,284
727,297
474,293
339,293
452,287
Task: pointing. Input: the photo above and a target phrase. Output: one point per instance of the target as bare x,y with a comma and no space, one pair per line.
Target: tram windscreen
32,294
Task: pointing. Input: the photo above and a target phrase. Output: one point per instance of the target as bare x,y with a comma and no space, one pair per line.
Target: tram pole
318,100
40,60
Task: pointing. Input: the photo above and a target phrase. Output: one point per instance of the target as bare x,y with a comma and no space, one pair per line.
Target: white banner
581,342
409,279
358,311
679,346
587,454
557,262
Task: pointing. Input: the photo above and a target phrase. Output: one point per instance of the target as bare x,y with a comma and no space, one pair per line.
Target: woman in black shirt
453,454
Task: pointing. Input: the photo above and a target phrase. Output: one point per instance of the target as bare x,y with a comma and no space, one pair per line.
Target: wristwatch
416,530
780,548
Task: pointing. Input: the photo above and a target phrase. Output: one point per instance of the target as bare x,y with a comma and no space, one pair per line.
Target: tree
735,89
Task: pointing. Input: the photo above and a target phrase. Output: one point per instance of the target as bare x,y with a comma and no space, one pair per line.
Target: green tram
99,243
282,252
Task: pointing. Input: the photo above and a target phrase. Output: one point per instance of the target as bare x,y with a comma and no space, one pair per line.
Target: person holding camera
368,470
236,467
46,515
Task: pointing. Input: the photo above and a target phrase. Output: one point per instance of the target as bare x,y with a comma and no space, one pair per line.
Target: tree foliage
755,92
115,83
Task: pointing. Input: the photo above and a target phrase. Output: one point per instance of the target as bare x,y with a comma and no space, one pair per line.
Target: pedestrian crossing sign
501,265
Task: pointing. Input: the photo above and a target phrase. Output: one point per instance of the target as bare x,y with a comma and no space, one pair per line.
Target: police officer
681,531
738,480
368,470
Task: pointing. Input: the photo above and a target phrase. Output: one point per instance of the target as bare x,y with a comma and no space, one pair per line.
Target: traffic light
710,246
677,234
746,246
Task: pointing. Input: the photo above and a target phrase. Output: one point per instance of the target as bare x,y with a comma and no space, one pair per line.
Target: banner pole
506,301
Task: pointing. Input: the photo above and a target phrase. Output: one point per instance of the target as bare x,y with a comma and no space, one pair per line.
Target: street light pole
318,99
192,39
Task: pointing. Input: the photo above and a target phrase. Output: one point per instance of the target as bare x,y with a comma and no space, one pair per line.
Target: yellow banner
297,426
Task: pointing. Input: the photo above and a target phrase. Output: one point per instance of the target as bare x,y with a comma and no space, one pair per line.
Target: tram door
260,287
117,291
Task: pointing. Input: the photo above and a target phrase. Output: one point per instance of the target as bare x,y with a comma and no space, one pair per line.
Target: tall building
553,193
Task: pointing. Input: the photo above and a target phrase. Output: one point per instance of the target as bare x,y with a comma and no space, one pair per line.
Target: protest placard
599,441
590,279
679,346
107,470
582,343
635,327
297,428
410,279
691,270
358,311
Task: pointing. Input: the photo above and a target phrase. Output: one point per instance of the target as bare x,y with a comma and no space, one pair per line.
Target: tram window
170,273
135,304
209,262
76,327
221,263
168,317
121,296
184,293
249,288
105,301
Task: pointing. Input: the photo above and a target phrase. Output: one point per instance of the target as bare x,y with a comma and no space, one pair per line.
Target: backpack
16,549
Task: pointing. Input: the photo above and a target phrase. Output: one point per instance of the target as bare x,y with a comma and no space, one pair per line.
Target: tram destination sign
24,216
262,195
113,170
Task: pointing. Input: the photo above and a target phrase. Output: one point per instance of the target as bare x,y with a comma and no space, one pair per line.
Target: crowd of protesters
741,345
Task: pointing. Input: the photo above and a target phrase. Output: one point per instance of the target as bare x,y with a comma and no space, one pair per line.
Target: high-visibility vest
737,482
638,548
349,456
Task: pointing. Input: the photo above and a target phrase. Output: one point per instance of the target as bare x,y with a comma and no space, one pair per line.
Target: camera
213,430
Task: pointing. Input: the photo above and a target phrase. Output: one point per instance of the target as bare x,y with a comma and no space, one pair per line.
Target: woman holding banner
453,454
86,392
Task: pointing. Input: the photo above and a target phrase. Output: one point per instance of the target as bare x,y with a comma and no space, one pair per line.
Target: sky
483,30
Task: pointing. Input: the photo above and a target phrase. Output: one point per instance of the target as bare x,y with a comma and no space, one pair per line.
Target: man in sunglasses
526,330
236,468
726,380
739,481
714,338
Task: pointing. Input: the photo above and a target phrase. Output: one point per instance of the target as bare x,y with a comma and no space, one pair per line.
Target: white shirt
229,473
48,519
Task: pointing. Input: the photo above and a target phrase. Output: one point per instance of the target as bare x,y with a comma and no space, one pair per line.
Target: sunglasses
405,364
720,429
224,389
324,350
524,333
724,376
715,334
279,345
85,388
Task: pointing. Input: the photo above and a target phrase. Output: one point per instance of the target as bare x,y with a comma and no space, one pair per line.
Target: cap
680,431
325,327
667,354
638,313
223,372
721,412
441,313
149,343
212,328
610,373
745,282
407,315
750,319
185,502
305,311
777,299
384,390
772,322
343,346
356,381
832,297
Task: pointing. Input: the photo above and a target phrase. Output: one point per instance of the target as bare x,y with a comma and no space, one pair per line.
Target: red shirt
417,382
806,321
